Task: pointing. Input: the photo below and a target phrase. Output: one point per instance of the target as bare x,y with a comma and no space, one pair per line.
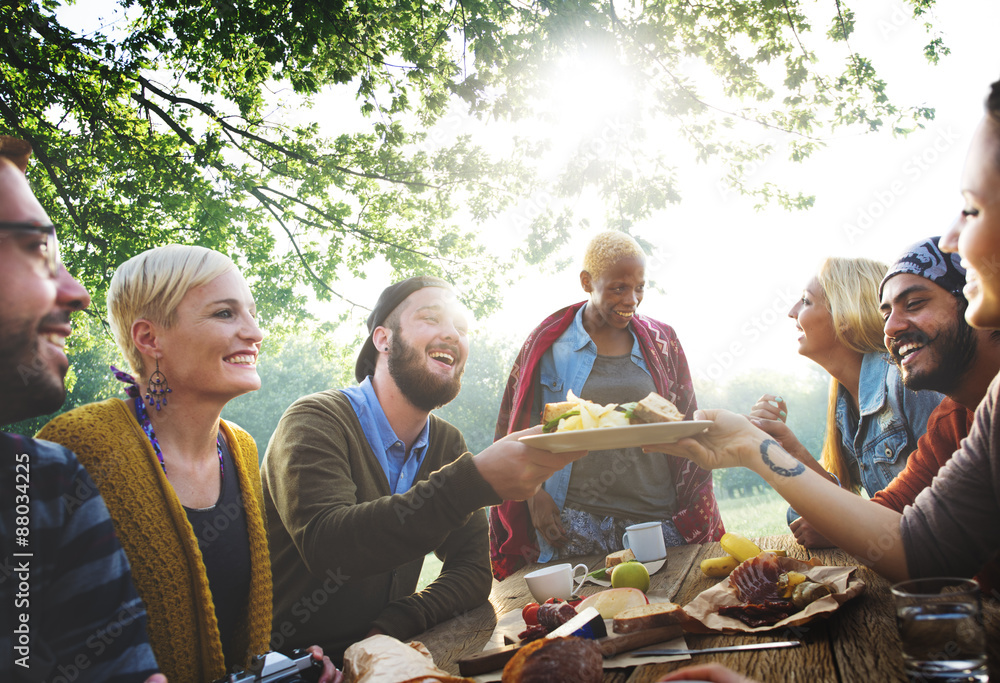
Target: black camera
275,667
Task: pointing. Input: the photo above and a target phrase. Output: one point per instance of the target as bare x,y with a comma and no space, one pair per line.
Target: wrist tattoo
780,471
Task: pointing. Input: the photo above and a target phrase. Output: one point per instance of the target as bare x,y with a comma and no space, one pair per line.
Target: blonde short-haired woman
182,484
873,421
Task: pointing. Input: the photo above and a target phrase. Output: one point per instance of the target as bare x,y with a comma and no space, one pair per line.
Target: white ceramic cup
645,541
558,581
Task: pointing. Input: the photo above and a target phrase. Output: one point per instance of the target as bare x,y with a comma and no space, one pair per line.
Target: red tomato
530,614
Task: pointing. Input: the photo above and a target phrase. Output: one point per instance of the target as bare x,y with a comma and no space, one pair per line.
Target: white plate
652,567
616,437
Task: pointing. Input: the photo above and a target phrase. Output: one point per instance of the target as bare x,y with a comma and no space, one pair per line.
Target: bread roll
556,660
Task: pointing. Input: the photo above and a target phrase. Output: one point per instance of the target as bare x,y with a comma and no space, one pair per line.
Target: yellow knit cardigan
160,543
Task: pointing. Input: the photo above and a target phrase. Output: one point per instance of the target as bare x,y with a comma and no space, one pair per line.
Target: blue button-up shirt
400,467
565,366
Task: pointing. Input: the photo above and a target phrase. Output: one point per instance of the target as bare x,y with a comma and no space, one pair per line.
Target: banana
788,581
718,566
739,547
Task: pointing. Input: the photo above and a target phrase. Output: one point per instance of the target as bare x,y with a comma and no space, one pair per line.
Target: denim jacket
892,419
566,366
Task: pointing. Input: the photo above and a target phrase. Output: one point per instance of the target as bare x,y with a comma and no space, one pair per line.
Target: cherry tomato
576,602
552,601
530,614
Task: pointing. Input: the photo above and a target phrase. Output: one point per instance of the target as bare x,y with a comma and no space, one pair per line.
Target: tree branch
268,204
166,118
347,228
281,149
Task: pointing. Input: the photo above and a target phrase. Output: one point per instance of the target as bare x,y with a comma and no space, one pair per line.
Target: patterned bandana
926,259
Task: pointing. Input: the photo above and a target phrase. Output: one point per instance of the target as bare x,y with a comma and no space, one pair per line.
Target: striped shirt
68,609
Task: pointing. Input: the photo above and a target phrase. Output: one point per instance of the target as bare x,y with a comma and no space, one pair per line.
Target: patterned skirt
591,534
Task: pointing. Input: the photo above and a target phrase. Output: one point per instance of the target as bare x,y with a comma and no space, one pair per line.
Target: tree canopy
208,122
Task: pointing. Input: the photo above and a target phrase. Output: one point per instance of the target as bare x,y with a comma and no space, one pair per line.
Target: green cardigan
159,541
345,553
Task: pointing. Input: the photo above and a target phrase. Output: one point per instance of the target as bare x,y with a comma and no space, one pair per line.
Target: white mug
646,541
558,581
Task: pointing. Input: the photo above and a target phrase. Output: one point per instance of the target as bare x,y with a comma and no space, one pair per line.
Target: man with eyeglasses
68,609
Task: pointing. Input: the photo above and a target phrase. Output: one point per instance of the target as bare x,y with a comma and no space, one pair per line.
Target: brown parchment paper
383,659
704,609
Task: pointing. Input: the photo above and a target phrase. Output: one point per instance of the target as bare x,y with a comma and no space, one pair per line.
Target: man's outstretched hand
515,470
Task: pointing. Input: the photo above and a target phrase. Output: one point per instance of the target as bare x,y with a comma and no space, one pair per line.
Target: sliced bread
644,617
615,559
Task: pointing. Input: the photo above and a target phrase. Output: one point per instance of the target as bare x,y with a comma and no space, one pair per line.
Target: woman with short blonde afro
608,248
602,350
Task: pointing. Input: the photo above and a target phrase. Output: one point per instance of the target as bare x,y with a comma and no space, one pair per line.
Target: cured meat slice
765,614
756,580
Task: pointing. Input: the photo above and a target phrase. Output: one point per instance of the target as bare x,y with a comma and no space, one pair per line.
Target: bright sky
730,274
727,274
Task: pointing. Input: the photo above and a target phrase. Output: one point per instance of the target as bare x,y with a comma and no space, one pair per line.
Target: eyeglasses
51,246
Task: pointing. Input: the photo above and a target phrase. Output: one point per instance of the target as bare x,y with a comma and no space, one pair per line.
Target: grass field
761,515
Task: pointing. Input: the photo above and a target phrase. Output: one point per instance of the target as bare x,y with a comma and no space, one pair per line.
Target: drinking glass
940,623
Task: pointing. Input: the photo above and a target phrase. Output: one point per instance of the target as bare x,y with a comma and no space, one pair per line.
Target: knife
728,648
492,660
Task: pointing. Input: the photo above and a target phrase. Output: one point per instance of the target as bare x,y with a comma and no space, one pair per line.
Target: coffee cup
558,581
645,541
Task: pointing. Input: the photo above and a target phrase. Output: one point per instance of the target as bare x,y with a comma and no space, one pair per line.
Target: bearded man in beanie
361,483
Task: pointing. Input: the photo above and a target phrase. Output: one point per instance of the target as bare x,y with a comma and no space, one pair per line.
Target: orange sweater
946,427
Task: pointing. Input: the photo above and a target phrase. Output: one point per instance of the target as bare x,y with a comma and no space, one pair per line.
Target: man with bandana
361,483
935,349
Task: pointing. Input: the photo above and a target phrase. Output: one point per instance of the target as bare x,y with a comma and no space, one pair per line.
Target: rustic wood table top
858,643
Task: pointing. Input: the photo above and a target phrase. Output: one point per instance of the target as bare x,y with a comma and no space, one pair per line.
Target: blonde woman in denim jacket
873,421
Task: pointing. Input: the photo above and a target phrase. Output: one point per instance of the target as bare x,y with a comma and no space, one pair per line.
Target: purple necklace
132,390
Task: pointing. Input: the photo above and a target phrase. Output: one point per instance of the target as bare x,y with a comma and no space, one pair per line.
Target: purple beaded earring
157,389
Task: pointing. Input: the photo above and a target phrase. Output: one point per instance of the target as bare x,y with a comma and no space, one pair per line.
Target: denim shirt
400,470
564,367
892,419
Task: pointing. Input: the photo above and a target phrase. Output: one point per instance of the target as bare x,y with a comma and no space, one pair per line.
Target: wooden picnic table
857,643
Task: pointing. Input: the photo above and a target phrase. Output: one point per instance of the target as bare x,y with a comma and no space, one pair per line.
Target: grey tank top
623,482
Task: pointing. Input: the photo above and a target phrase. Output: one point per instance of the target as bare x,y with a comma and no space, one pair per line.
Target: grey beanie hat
391,296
